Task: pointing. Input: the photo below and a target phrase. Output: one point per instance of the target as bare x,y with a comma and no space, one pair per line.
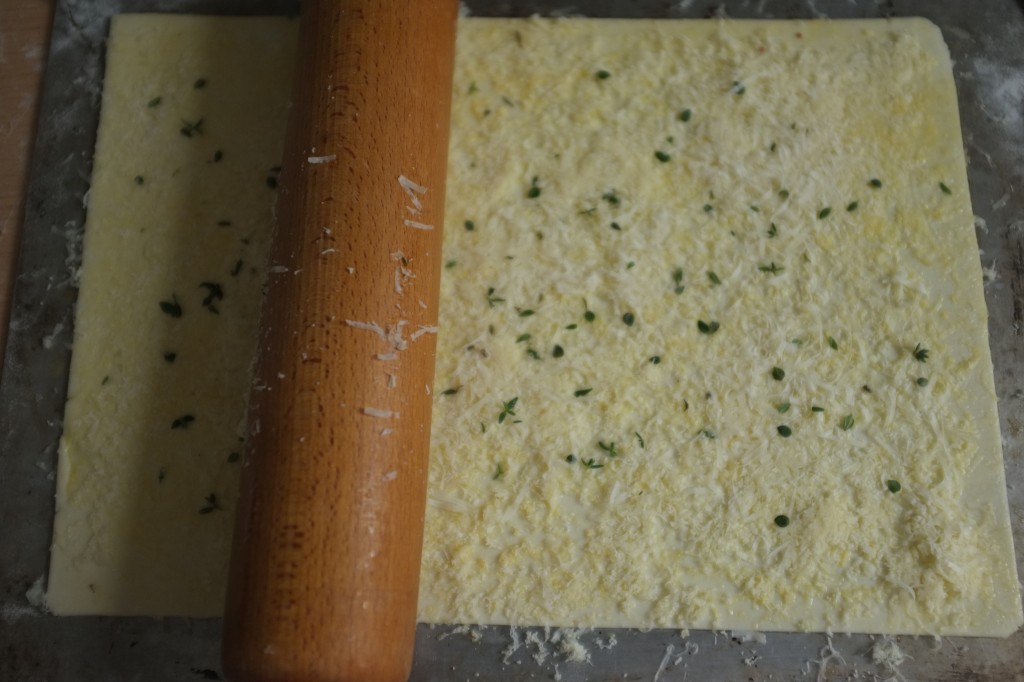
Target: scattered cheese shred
664,661
321,159
382,414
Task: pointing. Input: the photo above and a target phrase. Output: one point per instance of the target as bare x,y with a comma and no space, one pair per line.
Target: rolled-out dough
713,345
178,225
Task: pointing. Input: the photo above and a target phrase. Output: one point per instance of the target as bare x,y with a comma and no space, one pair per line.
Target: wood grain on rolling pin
326,558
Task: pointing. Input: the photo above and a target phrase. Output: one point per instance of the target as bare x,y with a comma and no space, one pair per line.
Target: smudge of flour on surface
682,7
36,595
1002,96
36,606
812,7
50,338
989,274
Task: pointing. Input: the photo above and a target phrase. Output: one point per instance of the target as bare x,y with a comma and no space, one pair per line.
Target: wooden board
24,34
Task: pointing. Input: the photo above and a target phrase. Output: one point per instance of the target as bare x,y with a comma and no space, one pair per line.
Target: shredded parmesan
827,654
383,414
412,189
886,652
423,330
664,661
569,645
513,646
596,222
368,326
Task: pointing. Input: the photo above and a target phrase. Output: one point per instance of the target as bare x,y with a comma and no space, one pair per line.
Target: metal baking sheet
986,41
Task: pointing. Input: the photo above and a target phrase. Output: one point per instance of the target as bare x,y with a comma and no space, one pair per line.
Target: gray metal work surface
986,39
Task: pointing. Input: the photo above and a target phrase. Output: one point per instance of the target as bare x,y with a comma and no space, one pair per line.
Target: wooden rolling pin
326,558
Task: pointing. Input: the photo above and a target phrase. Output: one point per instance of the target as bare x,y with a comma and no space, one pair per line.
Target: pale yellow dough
664,514
128,536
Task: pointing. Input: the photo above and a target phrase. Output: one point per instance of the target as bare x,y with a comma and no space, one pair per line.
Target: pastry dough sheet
177,232
645,219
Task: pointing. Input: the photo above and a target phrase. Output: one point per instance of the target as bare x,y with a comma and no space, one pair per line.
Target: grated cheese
886,652
423,330
664,661
368,326
766,185
418,225
382,414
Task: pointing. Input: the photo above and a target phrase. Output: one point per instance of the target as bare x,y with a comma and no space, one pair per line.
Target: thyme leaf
534,191
191,128
212,504
172,307
493,300
214,293
182,422
508,409
707,327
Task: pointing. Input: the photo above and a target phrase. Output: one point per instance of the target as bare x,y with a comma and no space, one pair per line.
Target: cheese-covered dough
713,344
